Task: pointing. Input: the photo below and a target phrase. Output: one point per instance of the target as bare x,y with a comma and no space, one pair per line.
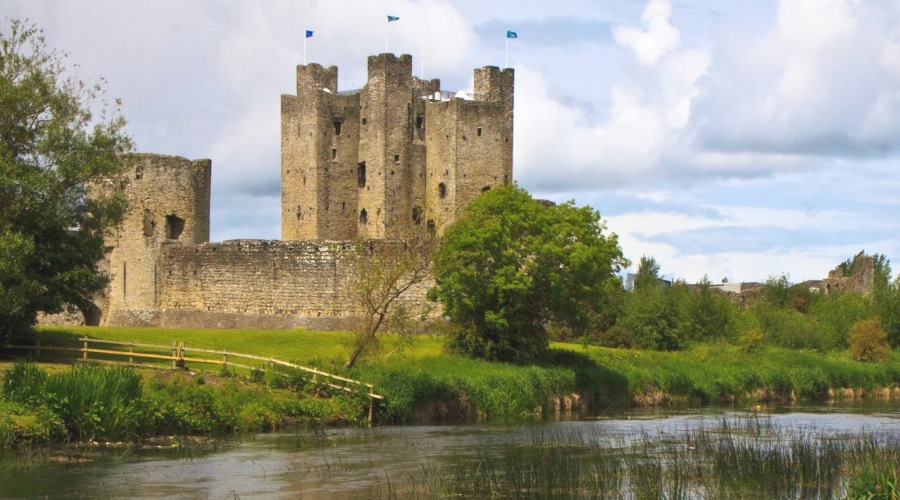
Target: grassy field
421,381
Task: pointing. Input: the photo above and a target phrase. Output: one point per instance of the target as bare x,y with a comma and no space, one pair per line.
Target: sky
730,139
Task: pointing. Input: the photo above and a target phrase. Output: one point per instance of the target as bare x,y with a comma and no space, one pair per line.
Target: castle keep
368,163
361,164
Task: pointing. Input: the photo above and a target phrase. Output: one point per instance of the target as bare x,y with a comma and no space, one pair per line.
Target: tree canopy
57,136
511,265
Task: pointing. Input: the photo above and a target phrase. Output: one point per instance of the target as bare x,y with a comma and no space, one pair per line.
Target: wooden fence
177,354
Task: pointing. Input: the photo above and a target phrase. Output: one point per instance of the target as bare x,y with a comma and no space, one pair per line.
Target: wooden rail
176,354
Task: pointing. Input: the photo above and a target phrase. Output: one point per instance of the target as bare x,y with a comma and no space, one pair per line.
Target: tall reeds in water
734,459
94,402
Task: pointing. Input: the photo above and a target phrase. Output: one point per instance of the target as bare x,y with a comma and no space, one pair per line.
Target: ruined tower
373,162
168,202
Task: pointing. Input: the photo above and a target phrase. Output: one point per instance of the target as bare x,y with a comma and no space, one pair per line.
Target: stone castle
355,165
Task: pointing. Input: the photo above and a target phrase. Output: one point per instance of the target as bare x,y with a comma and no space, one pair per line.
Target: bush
869,342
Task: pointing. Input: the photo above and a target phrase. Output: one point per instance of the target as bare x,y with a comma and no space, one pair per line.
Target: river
380,462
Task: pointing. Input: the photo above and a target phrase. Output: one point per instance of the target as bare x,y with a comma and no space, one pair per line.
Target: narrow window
174,227
363,121
363,217
337,128
361,174
149,223
139,173
396,158
479,131
419,121
333,153
417,215
431,227
442,190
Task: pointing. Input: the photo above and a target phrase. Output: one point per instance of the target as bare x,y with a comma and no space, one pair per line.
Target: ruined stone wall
859,279
168,200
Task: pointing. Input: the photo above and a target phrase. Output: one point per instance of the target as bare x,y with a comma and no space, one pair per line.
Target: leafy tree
886,296
383,271
53,144
869,342
647,273
836,313
512,265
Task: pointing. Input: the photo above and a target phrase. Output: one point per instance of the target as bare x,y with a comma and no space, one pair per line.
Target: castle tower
168,202
469,146
372,163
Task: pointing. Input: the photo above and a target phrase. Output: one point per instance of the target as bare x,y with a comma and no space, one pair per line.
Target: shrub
869,342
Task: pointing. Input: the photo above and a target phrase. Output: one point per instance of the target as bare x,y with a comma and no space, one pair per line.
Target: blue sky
732,139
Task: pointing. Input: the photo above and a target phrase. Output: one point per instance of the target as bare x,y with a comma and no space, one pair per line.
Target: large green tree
57,136
511,265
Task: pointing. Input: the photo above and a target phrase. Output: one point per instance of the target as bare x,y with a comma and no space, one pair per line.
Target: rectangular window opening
361,174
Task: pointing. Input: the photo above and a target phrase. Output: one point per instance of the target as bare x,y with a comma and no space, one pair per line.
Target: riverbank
110,405
422,383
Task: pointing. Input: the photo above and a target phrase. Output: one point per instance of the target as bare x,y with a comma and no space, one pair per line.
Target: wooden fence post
85,350
174,355
131,353
224,360
371,406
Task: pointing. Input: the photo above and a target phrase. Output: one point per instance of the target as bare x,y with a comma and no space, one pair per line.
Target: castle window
139,173
149,223
485,189
479,131
337,128
333,153
363,217
174,227
419,121
363,121
431,227
417,215
361,174
442,190
396,158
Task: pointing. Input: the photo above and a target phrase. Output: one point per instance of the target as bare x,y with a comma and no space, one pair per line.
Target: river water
348,463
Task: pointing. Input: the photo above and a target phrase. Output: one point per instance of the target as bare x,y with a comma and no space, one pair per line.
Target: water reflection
344,463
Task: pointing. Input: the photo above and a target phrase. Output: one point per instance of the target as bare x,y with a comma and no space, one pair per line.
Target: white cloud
656,39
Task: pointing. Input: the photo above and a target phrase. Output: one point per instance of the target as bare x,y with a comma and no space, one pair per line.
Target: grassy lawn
421,374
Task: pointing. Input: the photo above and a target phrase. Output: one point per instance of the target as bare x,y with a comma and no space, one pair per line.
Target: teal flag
511,34
393,18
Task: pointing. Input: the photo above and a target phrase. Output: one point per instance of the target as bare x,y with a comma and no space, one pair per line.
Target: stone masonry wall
168,200
262,284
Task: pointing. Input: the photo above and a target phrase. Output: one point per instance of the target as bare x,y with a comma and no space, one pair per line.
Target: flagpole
386,35
422,63
304,49
506,61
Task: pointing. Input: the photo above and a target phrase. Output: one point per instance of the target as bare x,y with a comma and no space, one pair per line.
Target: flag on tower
309,33
393,18
511,34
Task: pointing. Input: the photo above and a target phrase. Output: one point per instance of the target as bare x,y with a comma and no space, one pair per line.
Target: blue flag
511,34
309,33
393,18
